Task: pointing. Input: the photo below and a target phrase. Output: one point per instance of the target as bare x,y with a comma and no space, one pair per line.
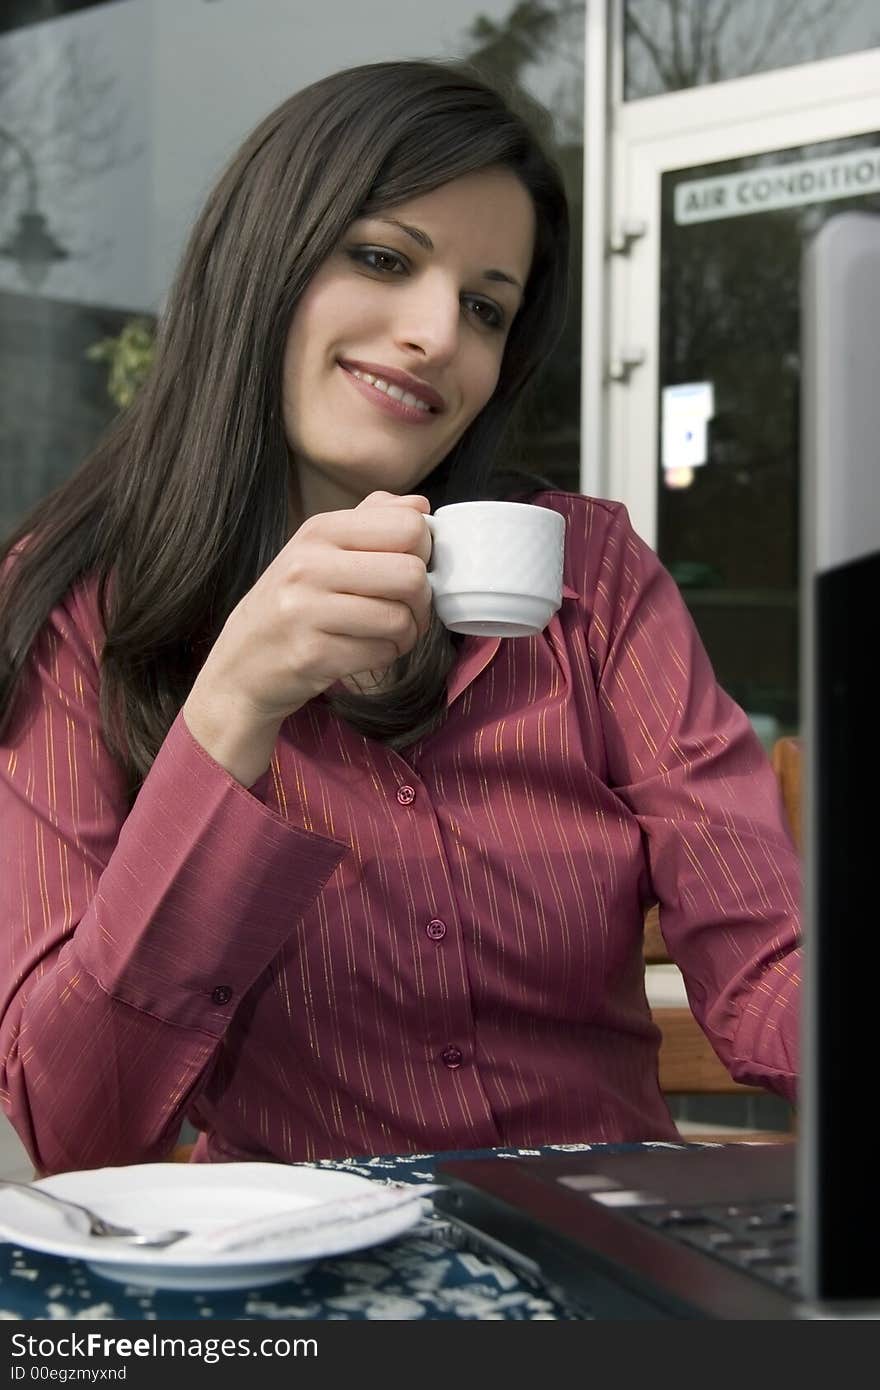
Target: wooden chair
786,760
688,1065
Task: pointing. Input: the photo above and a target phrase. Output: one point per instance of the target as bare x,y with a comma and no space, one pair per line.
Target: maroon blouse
371,952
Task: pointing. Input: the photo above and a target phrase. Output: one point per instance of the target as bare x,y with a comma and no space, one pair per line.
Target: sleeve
128,940
685,760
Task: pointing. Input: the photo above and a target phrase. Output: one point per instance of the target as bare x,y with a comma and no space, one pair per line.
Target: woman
283,855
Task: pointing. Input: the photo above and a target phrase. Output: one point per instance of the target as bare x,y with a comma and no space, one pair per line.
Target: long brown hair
183,503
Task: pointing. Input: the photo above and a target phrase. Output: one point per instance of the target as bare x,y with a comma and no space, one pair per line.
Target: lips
398,378
387,405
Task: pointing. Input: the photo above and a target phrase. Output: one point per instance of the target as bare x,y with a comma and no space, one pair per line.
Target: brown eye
485,311
378,258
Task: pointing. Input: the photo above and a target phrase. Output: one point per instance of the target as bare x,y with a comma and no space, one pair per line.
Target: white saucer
199,1198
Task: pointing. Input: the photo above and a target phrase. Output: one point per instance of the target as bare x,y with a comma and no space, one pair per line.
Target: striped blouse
377,952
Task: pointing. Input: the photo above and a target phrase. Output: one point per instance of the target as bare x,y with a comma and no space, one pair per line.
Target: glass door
704,428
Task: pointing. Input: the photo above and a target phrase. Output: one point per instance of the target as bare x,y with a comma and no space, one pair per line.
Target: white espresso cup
496,567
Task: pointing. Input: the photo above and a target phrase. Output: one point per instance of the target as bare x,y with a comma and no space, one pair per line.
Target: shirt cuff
202,890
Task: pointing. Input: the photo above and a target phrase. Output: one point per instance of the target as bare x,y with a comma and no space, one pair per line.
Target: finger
390,499
341,656
397,575
386,528
372,619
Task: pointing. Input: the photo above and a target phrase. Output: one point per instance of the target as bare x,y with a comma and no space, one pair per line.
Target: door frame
802,105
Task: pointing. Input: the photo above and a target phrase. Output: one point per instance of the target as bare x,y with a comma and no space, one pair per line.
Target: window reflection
729,345
673,44
114,120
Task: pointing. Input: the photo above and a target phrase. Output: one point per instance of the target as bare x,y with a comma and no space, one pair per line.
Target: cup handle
430,522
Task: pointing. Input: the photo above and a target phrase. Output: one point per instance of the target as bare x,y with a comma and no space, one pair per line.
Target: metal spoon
98,1225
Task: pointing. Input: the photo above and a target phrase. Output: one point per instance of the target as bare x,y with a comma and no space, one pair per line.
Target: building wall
167,89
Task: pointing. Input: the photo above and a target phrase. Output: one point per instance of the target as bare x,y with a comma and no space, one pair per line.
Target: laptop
763,1231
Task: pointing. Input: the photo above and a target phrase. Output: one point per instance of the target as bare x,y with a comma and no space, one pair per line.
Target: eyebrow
427,244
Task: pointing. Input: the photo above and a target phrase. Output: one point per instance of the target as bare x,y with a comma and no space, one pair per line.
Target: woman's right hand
348,593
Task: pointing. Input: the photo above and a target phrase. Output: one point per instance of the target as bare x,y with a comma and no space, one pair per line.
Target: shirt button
221,995
436,929
452,1057
406,795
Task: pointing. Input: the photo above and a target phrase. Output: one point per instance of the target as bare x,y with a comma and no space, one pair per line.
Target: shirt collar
475,654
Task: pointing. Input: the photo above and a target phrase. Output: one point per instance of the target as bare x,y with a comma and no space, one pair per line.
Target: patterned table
421,1274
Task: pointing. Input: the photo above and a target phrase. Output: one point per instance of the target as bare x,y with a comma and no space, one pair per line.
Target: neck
309,493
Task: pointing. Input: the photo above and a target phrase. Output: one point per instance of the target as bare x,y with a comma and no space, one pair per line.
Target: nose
428,320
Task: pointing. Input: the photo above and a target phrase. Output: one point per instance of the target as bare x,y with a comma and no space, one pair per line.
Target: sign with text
778,186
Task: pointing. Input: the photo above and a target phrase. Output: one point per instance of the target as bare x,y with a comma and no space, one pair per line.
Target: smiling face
396,344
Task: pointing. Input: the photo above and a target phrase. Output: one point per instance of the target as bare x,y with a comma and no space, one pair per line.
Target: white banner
778,186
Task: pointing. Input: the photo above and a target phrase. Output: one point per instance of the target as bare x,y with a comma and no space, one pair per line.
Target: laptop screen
839,1195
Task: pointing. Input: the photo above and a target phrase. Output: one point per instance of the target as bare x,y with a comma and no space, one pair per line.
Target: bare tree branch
677,59
672,44
66,110
633,27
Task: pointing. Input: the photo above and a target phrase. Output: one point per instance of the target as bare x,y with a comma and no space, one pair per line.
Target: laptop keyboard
758,1237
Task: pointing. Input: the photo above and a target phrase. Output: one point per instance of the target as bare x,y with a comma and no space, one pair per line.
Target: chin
365,481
